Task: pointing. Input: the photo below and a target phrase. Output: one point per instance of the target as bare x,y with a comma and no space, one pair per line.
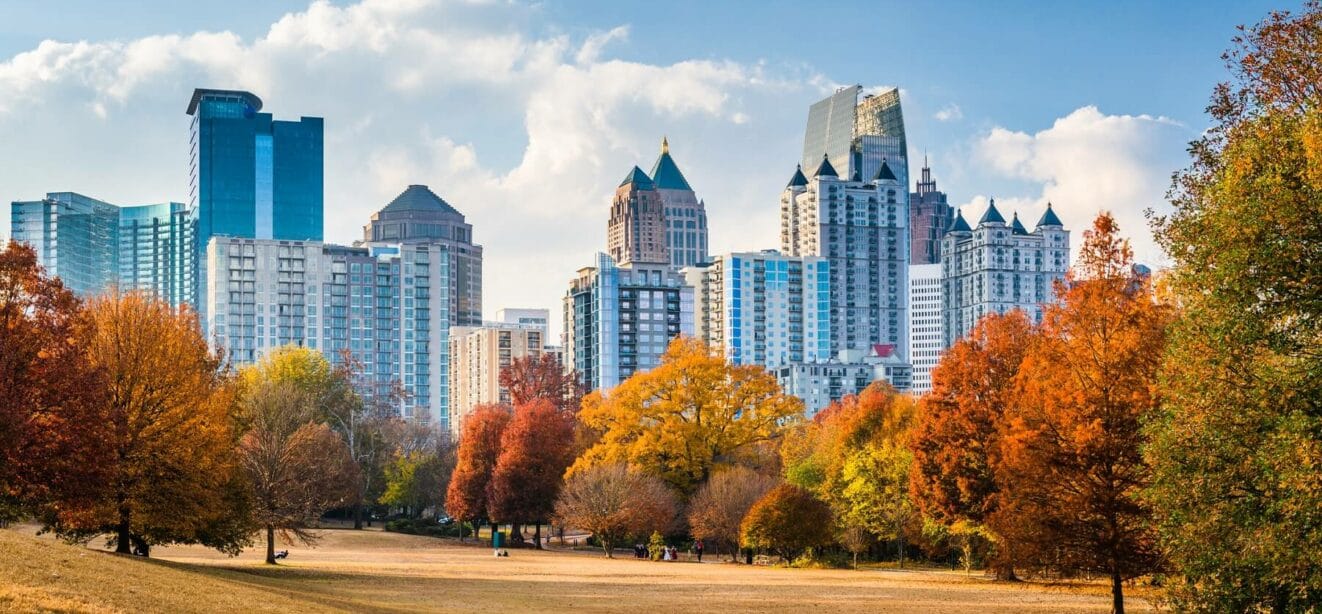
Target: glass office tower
75,237
156,251
251,176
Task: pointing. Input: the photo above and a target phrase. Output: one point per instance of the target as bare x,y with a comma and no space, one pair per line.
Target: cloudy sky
526,115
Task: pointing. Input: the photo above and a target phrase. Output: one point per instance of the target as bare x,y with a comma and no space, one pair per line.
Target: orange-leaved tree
51,454
535,450
787,521
169,408
614,503
479,450
1071,463
956,440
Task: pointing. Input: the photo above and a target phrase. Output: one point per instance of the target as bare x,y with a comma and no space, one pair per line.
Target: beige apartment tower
477,356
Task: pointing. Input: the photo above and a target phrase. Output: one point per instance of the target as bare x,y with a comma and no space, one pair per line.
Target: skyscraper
997,267
686,216
763,308
157,252
636,230
619,319
251,176
857,136
91,244
417,216
76,238
926,323
929,215
861,229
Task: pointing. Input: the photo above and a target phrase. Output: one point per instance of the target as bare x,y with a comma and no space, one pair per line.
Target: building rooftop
247,97
885,173
1017,227
665,173
960,225
798,180
639,179
419,197
1049,218
991,215
825,169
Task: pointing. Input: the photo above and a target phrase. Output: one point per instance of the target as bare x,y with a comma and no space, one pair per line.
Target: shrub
787,521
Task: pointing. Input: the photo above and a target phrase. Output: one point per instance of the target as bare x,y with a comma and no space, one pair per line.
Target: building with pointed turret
929,215
636,231
999,266
686,216
861,229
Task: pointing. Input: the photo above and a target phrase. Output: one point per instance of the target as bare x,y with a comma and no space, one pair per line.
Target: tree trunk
855,560
358,516
270,545
123,535
1117,594
537,536
610,554
516,534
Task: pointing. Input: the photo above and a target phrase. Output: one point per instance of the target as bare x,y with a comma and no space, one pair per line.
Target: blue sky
524,115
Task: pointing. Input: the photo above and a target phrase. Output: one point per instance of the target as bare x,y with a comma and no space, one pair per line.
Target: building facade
618,319
686,216
251,176
76,238
930,214
92,245
477,356
383,307
763,308
926,323
419,216
858,132
636,230
997,267
820,384
861,229
157,253
519,315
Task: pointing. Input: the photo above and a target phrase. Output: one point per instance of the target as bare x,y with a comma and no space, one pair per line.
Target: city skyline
734,119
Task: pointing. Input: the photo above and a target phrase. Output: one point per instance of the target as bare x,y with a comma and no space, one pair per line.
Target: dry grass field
371,571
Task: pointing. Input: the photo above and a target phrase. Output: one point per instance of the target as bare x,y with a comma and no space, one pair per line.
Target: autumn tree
956,435
787,521
685,417
1237,487
419,475
51,453
718,507
479,451
369,426
1071,463
529,378
535,450
297,467
856,458
169,407
614,502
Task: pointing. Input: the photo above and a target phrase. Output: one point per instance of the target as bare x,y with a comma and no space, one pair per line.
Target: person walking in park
697,549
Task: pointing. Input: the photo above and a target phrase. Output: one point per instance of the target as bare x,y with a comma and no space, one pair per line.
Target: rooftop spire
665,145
825,169
798,179
992,215
960,225
1049,218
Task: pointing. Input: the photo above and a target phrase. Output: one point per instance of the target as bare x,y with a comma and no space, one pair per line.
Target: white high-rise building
926,339
861,229
386,306
620,319
478,355
998,267
763,308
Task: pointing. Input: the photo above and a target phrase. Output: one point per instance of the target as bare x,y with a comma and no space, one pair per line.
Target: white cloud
1087,162
527,135
949,113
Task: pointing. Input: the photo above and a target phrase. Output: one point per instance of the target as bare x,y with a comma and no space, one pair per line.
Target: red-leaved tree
49,449
535,450
542,377
479,448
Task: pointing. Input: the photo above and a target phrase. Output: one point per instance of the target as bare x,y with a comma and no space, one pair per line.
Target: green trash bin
497,539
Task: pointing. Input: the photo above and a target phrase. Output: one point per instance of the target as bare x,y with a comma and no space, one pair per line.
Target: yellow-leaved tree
691,413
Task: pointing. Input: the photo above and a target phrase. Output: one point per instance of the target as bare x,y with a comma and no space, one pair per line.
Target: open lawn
371,571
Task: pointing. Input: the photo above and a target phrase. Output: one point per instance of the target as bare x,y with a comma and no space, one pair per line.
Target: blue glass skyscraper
251,176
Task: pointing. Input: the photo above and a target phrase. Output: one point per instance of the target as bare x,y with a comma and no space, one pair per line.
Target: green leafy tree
1237,450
